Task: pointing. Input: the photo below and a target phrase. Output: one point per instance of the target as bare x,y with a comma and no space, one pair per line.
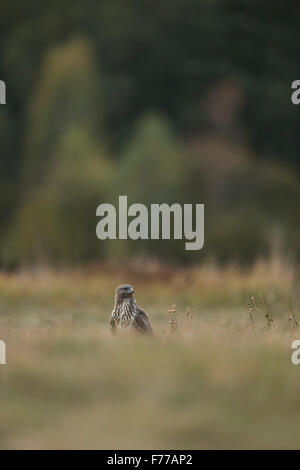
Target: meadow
217,375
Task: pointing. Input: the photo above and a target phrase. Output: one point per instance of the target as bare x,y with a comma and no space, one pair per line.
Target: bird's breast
123,314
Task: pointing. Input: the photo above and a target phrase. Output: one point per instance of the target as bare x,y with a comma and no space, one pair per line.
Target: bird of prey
126,313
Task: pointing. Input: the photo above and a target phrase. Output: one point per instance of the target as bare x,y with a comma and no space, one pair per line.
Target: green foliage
188,61
151,170
152,166
66,173
57,222
249,205
65,97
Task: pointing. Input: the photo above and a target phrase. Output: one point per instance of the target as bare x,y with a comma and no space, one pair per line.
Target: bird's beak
131,290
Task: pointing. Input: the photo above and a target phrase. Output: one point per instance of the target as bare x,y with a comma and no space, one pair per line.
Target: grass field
214,378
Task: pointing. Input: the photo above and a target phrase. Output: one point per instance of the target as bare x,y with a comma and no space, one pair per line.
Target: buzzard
126,313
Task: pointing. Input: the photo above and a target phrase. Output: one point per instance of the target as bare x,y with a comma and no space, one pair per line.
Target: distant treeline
165,101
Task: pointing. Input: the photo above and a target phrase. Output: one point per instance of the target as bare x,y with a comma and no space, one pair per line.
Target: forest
164,101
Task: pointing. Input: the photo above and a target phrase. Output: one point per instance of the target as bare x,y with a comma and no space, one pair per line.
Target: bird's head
124,292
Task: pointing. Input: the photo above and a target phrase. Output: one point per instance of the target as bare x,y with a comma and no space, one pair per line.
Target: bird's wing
141,322
112,323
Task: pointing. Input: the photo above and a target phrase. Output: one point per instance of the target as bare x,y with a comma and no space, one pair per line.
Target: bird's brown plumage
126,313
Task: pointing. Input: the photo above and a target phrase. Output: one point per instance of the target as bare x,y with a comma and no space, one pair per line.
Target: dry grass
223,380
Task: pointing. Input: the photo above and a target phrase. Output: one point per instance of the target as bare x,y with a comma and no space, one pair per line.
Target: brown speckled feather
141,322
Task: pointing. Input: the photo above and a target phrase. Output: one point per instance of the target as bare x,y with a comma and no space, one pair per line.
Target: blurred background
183,101
173,101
